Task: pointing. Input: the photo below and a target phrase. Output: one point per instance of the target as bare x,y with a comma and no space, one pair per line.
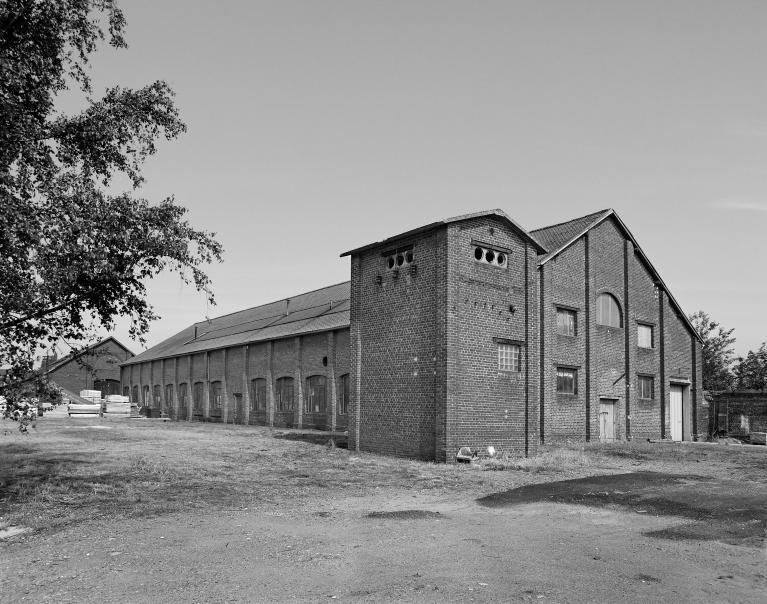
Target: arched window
284,394
314,402
169,395
134,396
343,398
215,396
197,391
147,399
608,311
258,394
182,395
157,399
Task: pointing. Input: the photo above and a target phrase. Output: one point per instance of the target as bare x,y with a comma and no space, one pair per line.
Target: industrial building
469,331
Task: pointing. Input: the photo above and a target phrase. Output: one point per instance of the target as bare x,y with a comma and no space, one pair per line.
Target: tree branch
37,315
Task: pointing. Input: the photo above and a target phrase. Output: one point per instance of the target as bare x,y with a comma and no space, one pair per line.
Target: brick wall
745,412
486,406
395,343
605,370
100,363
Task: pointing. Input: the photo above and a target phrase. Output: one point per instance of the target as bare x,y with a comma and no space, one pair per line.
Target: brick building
469,331
97,367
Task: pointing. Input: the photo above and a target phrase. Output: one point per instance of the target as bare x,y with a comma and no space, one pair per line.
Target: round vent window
489,255
478,253
390,262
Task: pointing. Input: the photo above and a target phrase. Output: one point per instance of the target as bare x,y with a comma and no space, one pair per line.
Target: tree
72,256
716,351
751,371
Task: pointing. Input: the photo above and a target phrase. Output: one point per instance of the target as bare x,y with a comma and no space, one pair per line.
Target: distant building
97,367
469,331
737,413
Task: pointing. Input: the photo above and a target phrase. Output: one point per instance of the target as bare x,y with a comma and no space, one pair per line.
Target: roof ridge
551,226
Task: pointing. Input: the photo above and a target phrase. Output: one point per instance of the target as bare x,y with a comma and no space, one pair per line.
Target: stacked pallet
90,406
117,405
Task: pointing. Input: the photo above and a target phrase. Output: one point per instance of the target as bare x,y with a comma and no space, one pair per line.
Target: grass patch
555,460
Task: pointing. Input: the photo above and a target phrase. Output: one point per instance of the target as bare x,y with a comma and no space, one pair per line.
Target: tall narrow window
197,391
343,400
284,394
565,322
134,396
644,336
216,396
258,394
182,394
147,397
567,380
169,395
157,398
314,402
508,357
608,311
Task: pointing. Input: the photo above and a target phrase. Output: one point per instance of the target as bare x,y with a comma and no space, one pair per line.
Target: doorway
607,419
676,398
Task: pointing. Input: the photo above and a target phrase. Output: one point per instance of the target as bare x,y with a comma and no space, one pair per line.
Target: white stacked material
117,408
90,393
117,398
81,409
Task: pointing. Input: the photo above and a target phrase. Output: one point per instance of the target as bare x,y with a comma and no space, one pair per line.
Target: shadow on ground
728,511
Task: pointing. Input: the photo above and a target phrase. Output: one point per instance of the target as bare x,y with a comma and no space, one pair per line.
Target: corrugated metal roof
319,310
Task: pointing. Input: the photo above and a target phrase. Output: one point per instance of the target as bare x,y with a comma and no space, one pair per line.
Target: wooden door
675,412
606,420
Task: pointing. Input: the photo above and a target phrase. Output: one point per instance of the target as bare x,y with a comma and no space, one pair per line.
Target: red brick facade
98,367
444,348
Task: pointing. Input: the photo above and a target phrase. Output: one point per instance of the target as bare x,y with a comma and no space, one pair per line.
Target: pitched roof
563,235
319,310
77,353
428,227
557,236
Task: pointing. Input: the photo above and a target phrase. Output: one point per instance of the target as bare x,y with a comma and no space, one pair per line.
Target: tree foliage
72,256
751,370
717,352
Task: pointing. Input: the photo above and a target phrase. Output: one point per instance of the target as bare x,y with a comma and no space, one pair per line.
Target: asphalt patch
727,511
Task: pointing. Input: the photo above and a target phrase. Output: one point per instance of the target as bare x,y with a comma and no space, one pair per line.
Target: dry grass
554,460
68,471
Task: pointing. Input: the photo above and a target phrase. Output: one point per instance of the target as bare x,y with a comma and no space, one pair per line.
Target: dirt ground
145,511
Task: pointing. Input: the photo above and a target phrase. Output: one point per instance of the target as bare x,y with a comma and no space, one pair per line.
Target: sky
317,127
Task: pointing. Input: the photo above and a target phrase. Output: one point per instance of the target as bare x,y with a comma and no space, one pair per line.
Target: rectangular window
215,395
644,336
567,381
565,322
508,357
646,386
343,404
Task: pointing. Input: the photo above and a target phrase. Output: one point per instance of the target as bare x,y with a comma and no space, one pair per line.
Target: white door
606,420
675,412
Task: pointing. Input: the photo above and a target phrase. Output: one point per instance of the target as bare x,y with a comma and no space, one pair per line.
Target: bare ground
144,511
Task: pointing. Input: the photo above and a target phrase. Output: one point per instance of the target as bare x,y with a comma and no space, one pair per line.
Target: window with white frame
644,336
508,357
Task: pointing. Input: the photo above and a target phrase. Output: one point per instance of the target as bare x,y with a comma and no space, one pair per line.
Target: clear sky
319,126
